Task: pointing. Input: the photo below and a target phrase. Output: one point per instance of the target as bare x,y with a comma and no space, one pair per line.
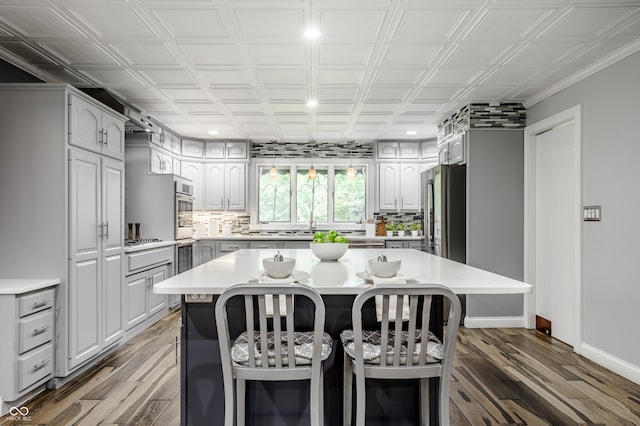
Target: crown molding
618,55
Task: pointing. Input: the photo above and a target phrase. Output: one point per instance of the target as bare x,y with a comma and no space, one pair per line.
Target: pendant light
351,171
312,170
273,173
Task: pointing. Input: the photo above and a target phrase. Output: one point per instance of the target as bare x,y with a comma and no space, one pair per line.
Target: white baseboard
617,365
494,322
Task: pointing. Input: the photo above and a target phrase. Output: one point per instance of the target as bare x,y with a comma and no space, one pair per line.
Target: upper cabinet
452,150
398,186
192,149
226,150
398,150
95,129
225,186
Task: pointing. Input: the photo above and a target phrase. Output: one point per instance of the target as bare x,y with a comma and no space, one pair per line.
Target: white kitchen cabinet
191,148
398,186
205,251
219,150
160,162
215,150
195,172
409,150
95,129
225,186
398,150
142,302
236,150
429,151
71,221
144,269
26,353
96,242
452,150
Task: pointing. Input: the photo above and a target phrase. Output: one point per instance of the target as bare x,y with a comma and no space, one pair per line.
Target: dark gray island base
287,403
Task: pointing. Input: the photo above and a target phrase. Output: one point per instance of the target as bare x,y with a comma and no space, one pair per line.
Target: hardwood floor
501,376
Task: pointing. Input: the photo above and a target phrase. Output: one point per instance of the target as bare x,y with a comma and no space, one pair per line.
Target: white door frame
530,137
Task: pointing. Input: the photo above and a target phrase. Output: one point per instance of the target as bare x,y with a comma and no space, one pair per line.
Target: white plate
365,276
296,275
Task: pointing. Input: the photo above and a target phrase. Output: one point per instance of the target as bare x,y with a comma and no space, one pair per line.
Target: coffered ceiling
380,69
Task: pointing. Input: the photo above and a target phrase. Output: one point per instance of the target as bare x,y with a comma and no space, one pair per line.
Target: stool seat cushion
303,348
372,351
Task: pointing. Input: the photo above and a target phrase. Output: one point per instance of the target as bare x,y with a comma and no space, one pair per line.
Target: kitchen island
202,396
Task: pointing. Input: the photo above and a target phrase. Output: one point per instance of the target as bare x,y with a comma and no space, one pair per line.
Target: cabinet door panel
112,298
388,177
113,138
85,309
194,172
84,197
214,186
235,186
136,288
156,301
85,127
214,150
236,150
409,150
155,161
113,206
410,186
387,149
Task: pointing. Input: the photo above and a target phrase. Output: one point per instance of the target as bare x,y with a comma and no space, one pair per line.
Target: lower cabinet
145,268
142,302
204,252
26,353
412,244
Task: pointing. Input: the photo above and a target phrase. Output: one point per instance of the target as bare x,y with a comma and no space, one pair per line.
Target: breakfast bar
202,395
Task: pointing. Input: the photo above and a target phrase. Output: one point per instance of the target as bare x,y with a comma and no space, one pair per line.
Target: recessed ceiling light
213,132
312,33
411,132
312,103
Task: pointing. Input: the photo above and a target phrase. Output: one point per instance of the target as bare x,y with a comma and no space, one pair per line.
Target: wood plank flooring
500,376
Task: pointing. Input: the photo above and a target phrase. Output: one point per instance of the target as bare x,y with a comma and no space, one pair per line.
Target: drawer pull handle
42,364
41,330
41,303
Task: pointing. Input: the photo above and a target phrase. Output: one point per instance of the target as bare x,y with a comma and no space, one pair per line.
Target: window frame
293,164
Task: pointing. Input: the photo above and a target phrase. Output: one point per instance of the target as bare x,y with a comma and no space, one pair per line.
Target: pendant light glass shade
351,172
312,173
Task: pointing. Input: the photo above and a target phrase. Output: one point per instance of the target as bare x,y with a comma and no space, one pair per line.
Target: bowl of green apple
329,246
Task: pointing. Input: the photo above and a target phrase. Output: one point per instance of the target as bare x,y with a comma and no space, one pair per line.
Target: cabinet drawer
34,331
393,244
263,244
228,246
35,366
146,258
36,302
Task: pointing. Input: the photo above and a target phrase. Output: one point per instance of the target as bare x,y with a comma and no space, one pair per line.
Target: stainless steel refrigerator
444,211
444,195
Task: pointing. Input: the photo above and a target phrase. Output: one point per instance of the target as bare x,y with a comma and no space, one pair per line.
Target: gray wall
610,105
495,218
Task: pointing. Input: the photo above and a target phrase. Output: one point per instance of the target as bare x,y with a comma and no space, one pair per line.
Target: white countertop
147,246
339,277
285,237
19,286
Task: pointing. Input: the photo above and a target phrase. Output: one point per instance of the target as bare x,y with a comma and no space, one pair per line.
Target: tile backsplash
312,149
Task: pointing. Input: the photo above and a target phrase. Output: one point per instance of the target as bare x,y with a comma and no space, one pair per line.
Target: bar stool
400,353
274,351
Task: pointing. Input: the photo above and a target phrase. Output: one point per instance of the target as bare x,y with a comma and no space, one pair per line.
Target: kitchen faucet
312,222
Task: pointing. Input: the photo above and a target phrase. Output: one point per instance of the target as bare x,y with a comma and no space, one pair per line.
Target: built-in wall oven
184,225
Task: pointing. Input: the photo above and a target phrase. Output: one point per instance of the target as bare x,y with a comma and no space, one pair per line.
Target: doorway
553,224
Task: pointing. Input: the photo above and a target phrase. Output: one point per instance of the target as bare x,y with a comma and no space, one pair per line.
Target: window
312,197
349,200
274,195
333,197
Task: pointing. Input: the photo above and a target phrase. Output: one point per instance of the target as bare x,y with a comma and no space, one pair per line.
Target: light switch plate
592,213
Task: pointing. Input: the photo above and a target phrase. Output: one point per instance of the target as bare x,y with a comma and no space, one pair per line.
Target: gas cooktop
130,243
